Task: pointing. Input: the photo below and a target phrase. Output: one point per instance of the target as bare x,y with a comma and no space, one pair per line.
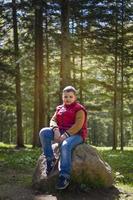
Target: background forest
46,45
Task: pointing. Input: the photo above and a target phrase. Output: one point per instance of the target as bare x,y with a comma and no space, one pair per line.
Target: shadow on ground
14,186
112,193
14,192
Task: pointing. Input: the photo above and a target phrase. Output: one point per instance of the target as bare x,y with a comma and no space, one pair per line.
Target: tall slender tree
122,70
39,73
20,141
65,69
73,53
81,61
115,81
47,78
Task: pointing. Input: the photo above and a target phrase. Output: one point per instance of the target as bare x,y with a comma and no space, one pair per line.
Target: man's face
68,98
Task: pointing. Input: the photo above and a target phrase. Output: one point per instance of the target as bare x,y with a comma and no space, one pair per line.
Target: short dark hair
69,89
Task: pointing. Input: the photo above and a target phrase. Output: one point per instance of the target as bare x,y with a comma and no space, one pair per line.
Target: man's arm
53,122
77,126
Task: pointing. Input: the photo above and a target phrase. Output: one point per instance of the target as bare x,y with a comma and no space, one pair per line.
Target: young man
68,128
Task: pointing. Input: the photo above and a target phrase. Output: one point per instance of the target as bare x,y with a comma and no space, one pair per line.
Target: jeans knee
65,145
41,132
44,133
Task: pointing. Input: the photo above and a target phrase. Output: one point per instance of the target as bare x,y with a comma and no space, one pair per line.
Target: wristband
67,134
55,127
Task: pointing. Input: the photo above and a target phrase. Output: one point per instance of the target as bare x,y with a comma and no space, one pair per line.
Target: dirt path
14,192
17,186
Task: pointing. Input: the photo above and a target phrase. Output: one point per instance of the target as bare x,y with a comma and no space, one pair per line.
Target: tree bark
39,74
47,65
115,84
20,140
81,64
65,69
122,74
73,57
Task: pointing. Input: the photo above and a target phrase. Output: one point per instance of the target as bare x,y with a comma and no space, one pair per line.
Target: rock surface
88,169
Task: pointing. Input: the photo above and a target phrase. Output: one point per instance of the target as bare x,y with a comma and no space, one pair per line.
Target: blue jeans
66,147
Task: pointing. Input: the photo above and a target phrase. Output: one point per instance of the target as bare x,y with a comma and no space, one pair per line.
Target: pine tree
39,73
65,76
20,141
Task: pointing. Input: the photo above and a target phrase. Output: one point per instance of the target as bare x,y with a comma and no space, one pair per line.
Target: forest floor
13,186
17,168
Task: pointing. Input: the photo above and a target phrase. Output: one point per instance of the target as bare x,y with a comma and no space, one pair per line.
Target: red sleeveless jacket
65,117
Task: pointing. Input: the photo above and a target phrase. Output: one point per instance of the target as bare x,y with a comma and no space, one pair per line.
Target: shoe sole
62,188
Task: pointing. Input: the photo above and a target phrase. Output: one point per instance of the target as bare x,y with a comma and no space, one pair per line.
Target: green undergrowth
17,165
21,159
82,182
121,163
23,162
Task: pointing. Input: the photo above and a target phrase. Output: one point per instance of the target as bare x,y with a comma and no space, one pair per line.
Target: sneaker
52,164
62,183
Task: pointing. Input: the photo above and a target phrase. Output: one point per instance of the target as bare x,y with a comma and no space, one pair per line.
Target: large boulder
88,169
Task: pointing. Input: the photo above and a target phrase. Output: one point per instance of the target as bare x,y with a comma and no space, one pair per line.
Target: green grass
21,159
122,165
24,160
17,164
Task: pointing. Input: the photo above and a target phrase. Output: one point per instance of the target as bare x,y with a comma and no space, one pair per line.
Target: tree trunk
122,74
41,67
39,73
20,140
115,86
65,75
73,57
81,64
47,66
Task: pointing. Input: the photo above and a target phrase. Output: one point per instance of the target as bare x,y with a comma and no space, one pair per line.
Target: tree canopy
46,45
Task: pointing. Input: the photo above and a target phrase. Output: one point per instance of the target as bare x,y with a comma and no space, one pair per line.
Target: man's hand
57,135
63,137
